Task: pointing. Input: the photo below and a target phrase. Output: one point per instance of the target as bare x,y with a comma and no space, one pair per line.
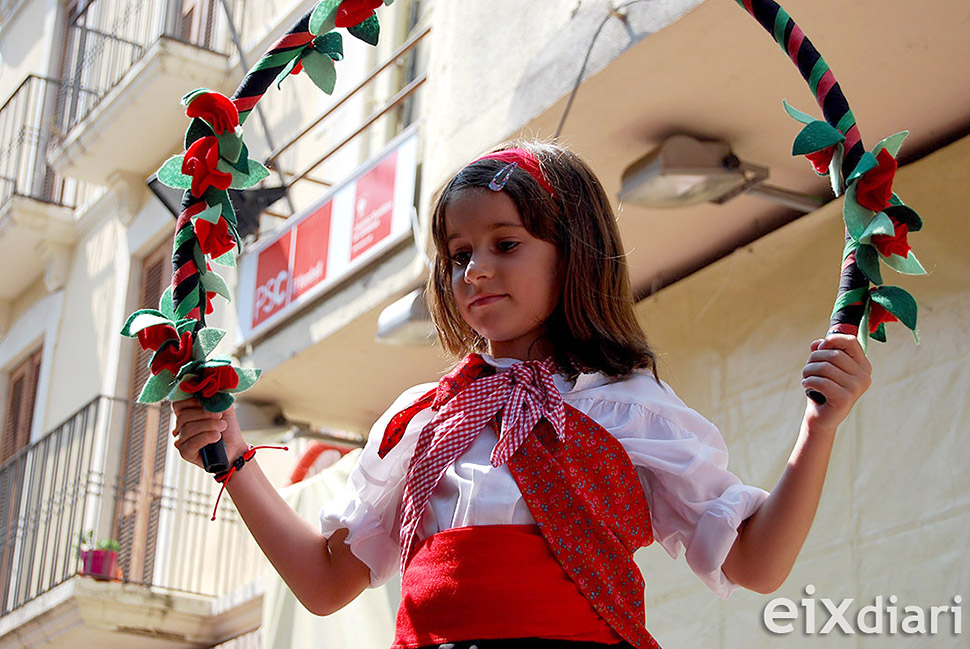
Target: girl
515,492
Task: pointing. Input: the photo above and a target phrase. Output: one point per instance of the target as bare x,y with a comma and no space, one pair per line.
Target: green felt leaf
331,44
856,217
289,67
321,71
863,334
895,199
868,260
247,378
322,18
212,214
228,259
170,173
891,143
835,169
208,338
368,31
177,395
197,130
213,196
165,305
199,258
908,265
854,296
217,403
157,387
880,333
804,118
142,319
187,304
190,369
231,144
814,137
866,163
219,360
388,3
189,97
185,324
898,302
243,180
907,215
879,224
242,164
214,283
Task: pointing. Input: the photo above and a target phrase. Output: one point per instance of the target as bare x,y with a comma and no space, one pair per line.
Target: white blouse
680,457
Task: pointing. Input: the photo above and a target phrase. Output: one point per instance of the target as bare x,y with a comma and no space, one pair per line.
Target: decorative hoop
217,159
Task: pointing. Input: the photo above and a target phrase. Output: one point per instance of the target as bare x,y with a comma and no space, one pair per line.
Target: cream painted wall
22,49
525,58
895,514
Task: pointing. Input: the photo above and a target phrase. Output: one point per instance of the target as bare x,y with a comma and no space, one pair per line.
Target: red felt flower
153,337
215,239
200,162
194,313
211,381
875,187
879,315
895,243
821,159
215,108
173,354
298,68
354,12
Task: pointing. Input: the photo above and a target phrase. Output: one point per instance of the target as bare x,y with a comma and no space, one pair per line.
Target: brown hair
593,328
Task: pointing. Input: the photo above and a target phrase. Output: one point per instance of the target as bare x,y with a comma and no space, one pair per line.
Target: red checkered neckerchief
575,477
465,402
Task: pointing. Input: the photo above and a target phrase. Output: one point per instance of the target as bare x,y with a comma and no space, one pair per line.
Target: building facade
327,297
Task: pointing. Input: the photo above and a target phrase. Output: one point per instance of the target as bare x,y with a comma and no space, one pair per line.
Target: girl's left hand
838,368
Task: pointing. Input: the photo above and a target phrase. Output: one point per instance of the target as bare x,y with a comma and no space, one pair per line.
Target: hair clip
497,183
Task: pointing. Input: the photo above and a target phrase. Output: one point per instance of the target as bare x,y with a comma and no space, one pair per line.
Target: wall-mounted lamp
685,171
406,321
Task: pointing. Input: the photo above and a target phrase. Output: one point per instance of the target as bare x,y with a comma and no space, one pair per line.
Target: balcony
125,65
36,202
181,580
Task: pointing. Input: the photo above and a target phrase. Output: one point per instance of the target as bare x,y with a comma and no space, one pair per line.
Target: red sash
587,501
491,581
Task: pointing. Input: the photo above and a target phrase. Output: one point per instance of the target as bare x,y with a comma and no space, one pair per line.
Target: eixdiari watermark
884,615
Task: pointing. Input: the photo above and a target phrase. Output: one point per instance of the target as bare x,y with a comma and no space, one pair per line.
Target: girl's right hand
195,428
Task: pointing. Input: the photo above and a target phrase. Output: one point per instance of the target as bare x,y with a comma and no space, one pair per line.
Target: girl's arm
769,541
323,576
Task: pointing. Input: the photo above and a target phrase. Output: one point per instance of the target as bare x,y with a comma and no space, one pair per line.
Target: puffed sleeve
370,507
696,504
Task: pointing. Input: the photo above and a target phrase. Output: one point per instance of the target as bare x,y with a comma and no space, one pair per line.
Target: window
21,397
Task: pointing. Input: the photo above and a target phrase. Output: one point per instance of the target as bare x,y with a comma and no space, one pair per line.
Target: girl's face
505,281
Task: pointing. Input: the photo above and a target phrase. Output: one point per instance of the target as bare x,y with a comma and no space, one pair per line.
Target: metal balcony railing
391,92
107,37
99,470
25,135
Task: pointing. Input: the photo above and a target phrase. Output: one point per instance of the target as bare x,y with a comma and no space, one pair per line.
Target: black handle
214,457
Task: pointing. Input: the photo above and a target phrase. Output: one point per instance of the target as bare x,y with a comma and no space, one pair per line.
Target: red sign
272,279
312,246
373,206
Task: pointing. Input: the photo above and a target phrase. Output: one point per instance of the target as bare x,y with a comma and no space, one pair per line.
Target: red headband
525,160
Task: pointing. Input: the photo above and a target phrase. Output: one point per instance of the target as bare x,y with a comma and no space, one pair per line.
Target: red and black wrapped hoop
216,159
877,221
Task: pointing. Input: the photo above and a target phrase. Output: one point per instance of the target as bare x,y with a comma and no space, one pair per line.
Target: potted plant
99,558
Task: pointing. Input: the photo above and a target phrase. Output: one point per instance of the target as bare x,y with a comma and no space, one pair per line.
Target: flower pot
100,564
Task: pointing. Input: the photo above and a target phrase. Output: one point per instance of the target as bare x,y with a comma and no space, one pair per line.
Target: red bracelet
237,464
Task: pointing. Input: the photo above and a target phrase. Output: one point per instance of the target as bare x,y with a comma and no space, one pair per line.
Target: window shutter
20,406
145,445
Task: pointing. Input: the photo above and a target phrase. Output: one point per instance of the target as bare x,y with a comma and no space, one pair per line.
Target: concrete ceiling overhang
715,73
